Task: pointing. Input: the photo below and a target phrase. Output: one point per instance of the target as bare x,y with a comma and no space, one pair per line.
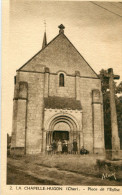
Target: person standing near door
59,148
54,147
49,149
75,148
65,147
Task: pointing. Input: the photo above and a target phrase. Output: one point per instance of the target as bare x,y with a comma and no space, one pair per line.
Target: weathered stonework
56,119
34,123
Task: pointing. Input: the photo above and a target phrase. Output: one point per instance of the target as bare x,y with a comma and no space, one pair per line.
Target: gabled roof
59,54
62,103
37,53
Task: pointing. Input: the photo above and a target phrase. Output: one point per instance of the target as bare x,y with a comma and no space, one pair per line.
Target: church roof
59,54
62,103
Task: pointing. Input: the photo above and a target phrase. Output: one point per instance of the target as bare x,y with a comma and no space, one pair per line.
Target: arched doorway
61,131
63,127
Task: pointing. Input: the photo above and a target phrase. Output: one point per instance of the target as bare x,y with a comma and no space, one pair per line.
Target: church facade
57,95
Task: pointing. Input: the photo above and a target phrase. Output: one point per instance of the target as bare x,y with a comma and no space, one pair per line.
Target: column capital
47,70
77,73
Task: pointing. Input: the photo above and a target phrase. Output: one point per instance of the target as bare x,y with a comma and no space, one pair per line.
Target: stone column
78,141
98,146
46,86
44,141
46,93
114,153
21,118
71,138
47,138
114,125
14,118
21,123
102,123
81,139
77,85
81,133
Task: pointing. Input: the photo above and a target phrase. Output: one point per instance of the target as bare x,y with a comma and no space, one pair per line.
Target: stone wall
42,85
34,111
67,91
86,87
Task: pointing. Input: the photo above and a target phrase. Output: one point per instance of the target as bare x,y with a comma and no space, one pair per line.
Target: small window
61,80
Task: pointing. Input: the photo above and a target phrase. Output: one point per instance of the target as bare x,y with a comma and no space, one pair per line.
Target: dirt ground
57,170
17,177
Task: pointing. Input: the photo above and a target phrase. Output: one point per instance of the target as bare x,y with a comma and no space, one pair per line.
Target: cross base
113,154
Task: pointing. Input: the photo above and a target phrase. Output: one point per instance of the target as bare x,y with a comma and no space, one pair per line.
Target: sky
95,29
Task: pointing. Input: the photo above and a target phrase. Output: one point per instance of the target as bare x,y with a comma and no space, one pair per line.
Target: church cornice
71,75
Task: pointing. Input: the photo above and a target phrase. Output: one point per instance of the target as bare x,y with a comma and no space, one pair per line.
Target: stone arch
62,125
63,118
67,118
61,71
61,78
72,131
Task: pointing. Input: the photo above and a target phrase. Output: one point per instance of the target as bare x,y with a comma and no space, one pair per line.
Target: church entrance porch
63,126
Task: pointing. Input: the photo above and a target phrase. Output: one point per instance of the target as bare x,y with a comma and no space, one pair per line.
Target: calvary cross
114,126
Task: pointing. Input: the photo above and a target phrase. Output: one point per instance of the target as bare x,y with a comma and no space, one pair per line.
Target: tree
106,108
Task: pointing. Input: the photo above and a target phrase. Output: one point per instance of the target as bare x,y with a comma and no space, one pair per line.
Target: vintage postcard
61,97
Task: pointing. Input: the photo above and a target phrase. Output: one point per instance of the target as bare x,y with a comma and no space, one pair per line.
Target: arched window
61,80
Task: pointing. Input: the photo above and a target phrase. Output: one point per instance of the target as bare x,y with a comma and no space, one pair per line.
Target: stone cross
114,126
61,27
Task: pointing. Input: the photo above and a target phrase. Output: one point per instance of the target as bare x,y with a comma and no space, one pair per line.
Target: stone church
57,95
